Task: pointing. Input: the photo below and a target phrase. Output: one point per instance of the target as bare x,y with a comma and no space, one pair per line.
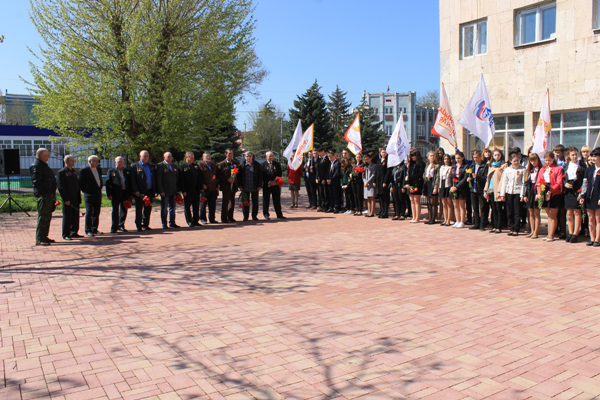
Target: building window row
29,147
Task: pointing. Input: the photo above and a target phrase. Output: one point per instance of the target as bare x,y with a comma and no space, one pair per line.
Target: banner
398,147
444,122
305,145
543,128
477,116
352,136
289,151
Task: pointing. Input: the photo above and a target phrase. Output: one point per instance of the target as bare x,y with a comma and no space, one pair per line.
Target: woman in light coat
511,190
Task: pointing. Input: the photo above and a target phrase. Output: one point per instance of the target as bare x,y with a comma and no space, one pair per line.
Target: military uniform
68,187
44,190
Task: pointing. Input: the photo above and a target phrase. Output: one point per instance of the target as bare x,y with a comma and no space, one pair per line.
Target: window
420,130
509,133
536,24
25,147
576,128
388,130
473,39
596,14
5,144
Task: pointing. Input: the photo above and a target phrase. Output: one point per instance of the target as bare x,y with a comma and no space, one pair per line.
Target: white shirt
547,175
95,172
533,174
444,171
572,171
430,171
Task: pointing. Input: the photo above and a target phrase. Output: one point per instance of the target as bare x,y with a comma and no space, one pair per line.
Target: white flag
444,122
543,128
289,151
352,136
305,145
477,117
398,146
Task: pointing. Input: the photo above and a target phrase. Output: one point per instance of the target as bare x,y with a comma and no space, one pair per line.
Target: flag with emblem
477,116
352,136
543,128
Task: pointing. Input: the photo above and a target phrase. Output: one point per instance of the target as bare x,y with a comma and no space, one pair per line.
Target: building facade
523,48
418,121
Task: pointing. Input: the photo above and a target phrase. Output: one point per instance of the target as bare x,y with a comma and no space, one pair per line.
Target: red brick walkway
314,307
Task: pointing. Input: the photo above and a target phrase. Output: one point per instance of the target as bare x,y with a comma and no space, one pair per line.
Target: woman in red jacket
549,189
294,181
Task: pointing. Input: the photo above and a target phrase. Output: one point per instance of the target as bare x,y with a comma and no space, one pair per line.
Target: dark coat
190,179
383,175
166,180
139,182
312,162
209,175
68,186
577,182
399,173
415,173
258,180
43,179
334,174
224,173
113,184
323,169
481,176
92,192
269,175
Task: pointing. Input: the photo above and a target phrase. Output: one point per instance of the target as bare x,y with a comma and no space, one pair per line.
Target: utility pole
281,138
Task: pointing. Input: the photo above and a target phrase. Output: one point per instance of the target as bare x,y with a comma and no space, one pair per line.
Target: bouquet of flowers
358,170
202,198
234,172
470,172
179,199
581,206
454,194
243,199
56,203
542,186
147,201
412,189
127,204
279,181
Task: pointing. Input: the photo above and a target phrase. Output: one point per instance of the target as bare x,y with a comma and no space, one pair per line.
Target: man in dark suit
271,169
250,181
68,187
478,179
310,179
190,185
322,172
333,183
229,185
90,180
211,189
44,190
166,185
383,177
118,190
143,181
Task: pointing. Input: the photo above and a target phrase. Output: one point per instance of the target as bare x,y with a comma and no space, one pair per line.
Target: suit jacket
209,175
480,177
190,179
68,186
576,182
269,175
415,174
399,175
258,180
113,184
312,162
592,187
42,178
334,174
139,182
166,180
436,176
323,168
383,175
461,177
90,188
224,173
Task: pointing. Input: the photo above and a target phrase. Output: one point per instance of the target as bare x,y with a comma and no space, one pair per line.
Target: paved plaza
317,306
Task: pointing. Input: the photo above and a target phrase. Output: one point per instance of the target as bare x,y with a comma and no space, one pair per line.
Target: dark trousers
118,215
408,203
476,204
252,198
191,207
497,213
311,191
399,202
384,203
469,208
70,223
323,195
334,196
359,195
45,208
211,202
228,205
513,209
142,213
274,191
349,195
167,206
484,207
92,213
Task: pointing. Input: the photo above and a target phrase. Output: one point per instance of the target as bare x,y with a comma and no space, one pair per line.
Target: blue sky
355,44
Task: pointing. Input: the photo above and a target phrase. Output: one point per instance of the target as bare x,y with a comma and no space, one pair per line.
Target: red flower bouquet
147,201
279,181
127,204
454,182
202,198
542,186
179,199
57,203
243,199
234,172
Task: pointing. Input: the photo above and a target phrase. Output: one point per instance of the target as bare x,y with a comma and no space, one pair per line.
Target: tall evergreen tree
338,108
311,108
371,132
224,137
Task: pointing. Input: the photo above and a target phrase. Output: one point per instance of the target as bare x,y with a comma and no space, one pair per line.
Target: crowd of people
484,191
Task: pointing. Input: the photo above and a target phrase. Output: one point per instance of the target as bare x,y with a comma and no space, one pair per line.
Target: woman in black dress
590,197
444,191
459,189
414,183
573,172
531,175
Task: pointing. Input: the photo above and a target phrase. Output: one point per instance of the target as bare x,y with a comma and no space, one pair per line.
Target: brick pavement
314,307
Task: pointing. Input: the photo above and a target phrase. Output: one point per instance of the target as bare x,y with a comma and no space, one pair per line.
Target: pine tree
224,138
311,108
338,113
372,136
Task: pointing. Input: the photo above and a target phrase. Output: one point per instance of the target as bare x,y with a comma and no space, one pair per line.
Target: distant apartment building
524,47
418,121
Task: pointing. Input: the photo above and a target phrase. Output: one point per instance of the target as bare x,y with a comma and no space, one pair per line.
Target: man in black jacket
118,190
68,187
166,185
250,182
310,179
143,183
333,183
190,186
90,179
270,171
322,171
383,176
44,190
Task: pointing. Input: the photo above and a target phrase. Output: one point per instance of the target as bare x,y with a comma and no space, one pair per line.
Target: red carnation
279,181
179,199
454,180
147,201
57,203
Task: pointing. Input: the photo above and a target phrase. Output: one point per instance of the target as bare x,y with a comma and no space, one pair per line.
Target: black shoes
474,227
76,235
255,218
90,234
122,229
281,217
265,217
174,226
67,238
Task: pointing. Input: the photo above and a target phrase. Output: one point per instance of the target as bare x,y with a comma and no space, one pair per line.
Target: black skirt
556,201
428,189
592,204
444,191
571,202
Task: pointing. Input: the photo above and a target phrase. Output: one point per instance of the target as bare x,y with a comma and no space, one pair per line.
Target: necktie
122,179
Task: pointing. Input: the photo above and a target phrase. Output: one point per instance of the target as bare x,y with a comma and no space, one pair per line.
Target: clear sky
356,44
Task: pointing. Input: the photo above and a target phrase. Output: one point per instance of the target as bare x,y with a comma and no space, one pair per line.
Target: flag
305,145
398,146
477,117
543,128
388,88
289,151
352,136
444,122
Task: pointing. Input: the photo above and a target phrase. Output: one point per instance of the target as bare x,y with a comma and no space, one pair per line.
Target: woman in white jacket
511,191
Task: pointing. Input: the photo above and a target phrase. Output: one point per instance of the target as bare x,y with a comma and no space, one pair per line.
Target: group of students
486,189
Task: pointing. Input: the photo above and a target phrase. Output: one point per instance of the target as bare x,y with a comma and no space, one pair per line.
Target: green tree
430,99
372,136
224,137
142,74
265,131
311,108
338,108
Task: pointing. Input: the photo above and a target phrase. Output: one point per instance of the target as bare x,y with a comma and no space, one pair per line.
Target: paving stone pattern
318,306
